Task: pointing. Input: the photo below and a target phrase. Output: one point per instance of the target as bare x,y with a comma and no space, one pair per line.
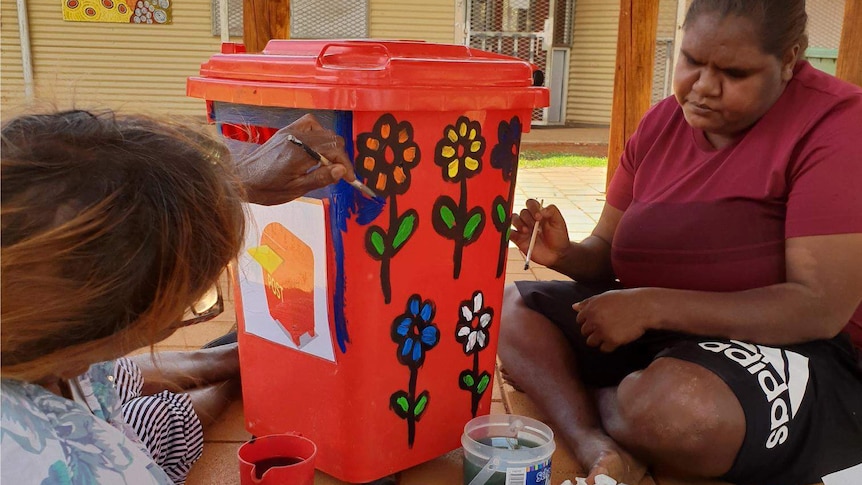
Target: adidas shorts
802,403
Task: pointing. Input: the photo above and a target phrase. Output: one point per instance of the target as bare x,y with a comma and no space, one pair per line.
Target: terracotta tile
564,466
496,391
445,470
198,335
230,426
177,339
545,274
516,267
217,465
515,255
497,407
511,278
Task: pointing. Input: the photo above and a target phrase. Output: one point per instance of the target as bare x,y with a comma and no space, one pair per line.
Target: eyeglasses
208,306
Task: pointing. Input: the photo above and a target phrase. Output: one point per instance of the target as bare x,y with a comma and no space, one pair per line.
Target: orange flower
385,156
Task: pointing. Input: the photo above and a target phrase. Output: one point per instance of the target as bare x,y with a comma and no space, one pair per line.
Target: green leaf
501,212
471,225
447,216
483,383
403,403
420,405
377,242
405,229
468,379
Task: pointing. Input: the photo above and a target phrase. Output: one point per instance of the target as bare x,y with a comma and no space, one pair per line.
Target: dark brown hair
111,226
781,23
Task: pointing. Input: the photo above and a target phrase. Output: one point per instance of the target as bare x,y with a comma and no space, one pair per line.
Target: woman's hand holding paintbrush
546,227
325,162
280,170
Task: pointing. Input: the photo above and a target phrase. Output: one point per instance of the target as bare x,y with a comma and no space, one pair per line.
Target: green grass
530,159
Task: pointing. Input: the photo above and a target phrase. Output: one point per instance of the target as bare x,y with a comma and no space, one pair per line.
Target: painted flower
459,152
414,332
385,156
473,323
504,156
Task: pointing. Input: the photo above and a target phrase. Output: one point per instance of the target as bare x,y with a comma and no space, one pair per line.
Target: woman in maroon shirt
715,302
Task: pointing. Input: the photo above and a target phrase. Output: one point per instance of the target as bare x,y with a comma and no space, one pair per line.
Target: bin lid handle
363,56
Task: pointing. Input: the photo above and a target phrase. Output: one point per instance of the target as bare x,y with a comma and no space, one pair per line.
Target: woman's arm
279,171
823,290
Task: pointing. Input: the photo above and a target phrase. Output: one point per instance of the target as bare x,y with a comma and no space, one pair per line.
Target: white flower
473,325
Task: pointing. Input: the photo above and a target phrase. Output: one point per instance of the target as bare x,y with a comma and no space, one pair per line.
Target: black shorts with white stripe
802,403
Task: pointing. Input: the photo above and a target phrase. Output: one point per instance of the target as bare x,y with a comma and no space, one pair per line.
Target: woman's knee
676,408
512,316
521,327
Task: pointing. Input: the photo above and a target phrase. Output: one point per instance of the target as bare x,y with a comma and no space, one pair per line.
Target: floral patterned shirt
47,439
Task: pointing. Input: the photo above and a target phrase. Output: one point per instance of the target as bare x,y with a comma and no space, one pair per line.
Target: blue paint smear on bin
345,202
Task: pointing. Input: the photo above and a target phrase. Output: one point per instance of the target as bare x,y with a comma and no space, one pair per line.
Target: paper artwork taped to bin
283,276
385,157
119,11
459,154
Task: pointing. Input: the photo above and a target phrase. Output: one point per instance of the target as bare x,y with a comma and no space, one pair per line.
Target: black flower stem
411,416
385,271
504,240
504,243
385,284
475,393
459,238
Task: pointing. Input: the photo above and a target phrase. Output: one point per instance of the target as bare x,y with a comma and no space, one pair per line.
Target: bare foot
607,458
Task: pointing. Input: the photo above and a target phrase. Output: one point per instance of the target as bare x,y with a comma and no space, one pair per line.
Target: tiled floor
578,192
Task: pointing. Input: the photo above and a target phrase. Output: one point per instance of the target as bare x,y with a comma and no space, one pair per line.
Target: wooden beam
633,77
849,66
263,20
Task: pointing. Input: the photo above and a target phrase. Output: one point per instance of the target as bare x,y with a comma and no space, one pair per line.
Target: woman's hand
616,317
278,171
552,242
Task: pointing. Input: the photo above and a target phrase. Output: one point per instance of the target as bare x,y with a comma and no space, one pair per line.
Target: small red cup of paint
277,459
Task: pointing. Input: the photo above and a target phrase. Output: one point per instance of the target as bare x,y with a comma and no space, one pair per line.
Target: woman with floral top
113,229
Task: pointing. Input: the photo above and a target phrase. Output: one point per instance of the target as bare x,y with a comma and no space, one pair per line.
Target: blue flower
414,331
504,156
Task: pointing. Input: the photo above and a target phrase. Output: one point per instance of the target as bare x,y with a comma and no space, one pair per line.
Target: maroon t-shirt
701,218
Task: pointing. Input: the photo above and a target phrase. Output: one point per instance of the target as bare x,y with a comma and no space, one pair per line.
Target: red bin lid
369,75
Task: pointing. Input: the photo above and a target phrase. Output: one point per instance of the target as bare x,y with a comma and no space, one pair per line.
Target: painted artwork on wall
119,11
283,278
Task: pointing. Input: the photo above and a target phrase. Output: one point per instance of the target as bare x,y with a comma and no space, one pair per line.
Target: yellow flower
459,152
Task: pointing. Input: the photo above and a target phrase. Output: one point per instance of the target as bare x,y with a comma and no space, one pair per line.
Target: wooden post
263,20
633,77
849,66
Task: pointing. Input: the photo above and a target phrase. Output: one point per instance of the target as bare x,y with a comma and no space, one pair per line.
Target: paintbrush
325,161
533,238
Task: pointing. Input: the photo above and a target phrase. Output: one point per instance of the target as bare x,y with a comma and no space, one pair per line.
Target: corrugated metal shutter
593,59
429,20
12,82
121,66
